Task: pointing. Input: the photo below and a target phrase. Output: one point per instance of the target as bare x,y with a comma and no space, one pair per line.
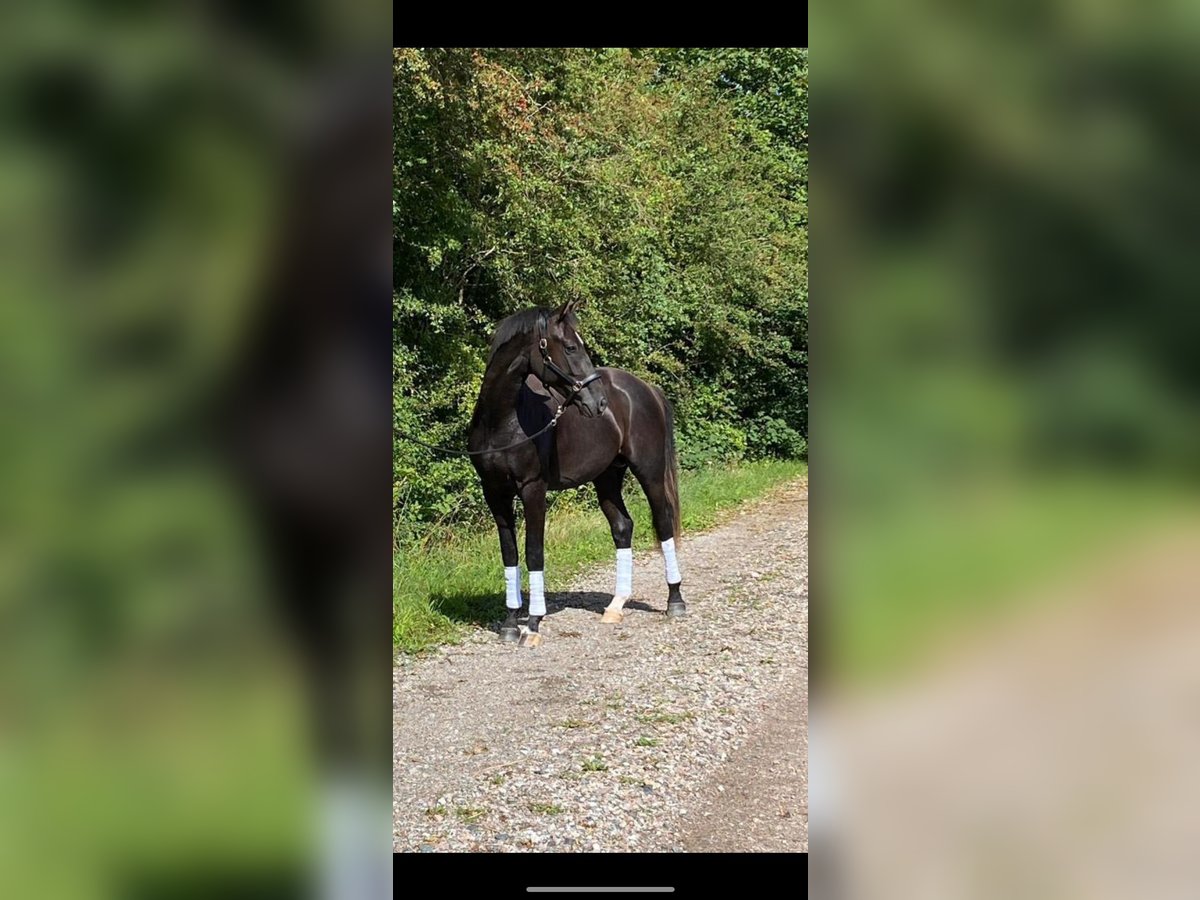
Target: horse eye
571,348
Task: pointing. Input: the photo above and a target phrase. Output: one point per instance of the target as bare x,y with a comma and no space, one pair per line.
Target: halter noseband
577,384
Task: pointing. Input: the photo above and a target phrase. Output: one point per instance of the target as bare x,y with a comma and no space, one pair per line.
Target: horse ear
567,308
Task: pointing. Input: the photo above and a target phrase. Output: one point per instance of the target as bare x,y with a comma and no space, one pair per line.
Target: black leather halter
576,384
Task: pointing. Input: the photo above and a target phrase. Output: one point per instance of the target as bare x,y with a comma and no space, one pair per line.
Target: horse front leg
500,502
533,498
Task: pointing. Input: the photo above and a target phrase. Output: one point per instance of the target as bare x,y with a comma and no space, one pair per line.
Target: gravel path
652,735
1064,739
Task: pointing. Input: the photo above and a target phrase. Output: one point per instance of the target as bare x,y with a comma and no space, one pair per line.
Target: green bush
665,188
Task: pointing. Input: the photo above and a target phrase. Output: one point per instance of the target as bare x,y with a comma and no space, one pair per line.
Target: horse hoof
533,639
510,635
676,610
612,617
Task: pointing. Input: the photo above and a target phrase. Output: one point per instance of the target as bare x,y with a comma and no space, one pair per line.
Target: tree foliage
665,188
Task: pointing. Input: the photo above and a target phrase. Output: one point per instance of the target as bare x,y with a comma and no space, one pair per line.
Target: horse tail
671,476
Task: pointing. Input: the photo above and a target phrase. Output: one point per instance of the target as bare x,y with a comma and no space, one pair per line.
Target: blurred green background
1005,401
154,734
1006,379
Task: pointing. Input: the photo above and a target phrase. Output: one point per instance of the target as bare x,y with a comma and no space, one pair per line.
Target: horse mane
520,323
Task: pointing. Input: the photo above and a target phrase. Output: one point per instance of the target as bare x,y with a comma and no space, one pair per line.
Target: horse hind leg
675,605
664,508
612,504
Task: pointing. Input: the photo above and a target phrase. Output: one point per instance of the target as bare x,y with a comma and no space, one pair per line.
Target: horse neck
501,387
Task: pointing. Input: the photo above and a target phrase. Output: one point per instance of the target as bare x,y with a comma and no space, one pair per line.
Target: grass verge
443,587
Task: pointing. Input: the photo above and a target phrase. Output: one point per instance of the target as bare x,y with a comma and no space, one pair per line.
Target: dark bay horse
608,422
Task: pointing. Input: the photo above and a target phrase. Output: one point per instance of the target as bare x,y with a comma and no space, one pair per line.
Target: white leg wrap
537,593
614,614
512,587
624,573
672,565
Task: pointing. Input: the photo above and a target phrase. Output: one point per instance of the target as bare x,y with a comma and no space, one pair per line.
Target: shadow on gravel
487,610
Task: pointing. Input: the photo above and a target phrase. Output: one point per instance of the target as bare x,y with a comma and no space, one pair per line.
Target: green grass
547,809
914,581
595,764
449,584
646,741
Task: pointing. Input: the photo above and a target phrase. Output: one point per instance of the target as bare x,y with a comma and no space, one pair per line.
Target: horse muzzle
591,397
